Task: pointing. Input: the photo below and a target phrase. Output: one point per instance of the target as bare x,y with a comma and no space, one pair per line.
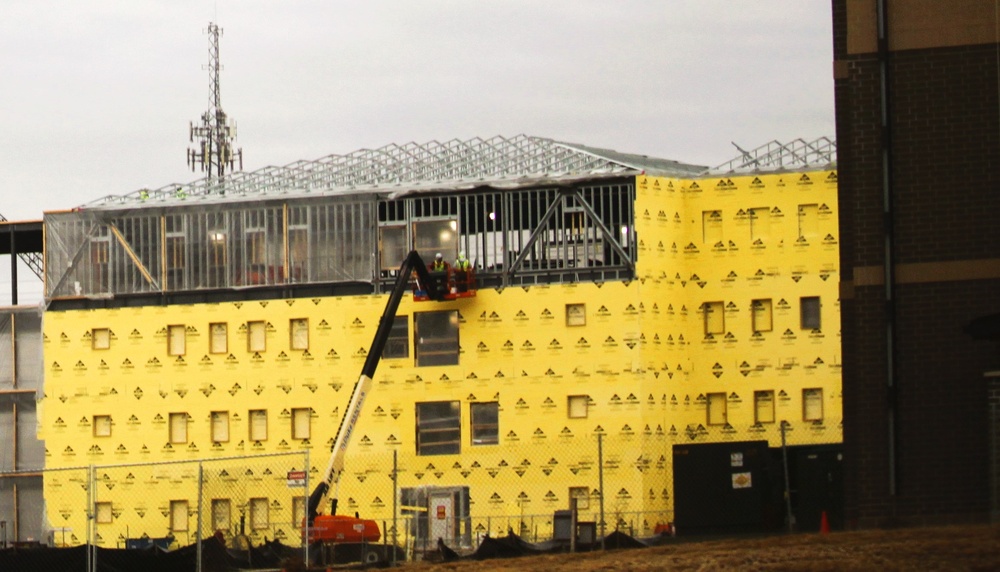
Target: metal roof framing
777,156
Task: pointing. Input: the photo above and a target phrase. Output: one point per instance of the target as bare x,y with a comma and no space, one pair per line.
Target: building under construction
634,321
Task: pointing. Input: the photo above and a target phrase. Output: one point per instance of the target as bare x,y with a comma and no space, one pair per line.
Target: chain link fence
626,482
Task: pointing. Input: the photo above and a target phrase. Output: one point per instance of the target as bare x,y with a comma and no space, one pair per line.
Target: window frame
711,418
708,308
760,306
103,512
212,417
212,338
424,355
101,420
174,524
216,505
251,346
393,341
176,439
582,496
255,505
297,327
816,401
105,336
475,426
304,412
582,401
172,339
575,320
452,428
251,424
805,317
757,401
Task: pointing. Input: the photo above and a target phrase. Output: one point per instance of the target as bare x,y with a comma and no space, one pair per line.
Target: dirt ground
944,548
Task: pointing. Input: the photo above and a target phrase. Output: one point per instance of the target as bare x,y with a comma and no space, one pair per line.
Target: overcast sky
98,94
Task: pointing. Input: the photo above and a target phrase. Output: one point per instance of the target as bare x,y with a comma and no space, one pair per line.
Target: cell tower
216,132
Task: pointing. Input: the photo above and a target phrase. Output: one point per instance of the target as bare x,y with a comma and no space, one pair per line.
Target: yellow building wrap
681,354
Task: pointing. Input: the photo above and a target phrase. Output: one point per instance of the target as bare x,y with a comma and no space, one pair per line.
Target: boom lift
340,529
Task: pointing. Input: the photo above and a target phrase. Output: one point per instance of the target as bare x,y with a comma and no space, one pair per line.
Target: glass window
259,513
812,404
221,514
439,428
763,406
102,425
220,426
178,515
299,328
100,338
577,406
178,427
716,408
433,236
576,314
398,344
810,312
715,318
176,340
436,338
301,423
485,423
582,496
760,314
394,247
258,425
256,336
219,338
102,512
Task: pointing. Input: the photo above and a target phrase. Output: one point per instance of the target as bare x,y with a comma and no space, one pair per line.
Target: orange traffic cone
824,524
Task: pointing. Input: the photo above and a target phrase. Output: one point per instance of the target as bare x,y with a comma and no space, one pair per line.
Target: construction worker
462,263
439,265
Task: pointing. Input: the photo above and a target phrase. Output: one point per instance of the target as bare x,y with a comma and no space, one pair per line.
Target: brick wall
945,128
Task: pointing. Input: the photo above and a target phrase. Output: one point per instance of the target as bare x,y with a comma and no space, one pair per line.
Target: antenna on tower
214,151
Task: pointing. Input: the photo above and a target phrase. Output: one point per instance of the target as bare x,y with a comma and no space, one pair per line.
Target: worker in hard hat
439,265
462,272
462,263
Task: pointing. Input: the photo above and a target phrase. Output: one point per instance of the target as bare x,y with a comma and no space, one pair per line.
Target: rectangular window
259,518
715,317
577,405
582,496
301,423
178,516
398,344
102,425
102,513
760,224
221,514
393,245
299,328
436,338
711,225
808,221
576,314
439,428
220,426
433,236
812,404
176,340
100,338
810,312
763,406
258,425
485,423
178,427
716,408
218,338
298,511
760,314
256,336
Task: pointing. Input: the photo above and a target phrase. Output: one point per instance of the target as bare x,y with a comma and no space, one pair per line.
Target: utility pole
214,151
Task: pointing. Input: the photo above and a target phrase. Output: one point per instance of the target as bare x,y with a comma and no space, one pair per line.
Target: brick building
919,200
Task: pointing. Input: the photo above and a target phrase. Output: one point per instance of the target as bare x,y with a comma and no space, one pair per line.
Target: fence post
395,503
305,523
91,519
788,491
201,501
600,480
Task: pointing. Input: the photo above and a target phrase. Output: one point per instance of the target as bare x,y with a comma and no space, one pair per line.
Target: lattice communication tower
214,151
